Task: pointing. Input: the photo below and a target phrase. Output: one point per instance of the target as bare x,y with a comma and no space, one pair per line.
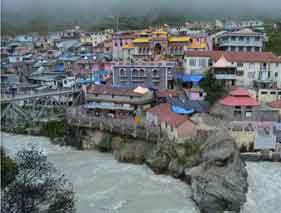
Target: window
115,44
232,49
141,72
135,72
264,92
241,49
272,93
131,97
240,64
192,62
276,65
241,38
257,49
249,49
233,38
240,73
202,62
279,93
257,38
248,114
251,75
237,107
122,72
155,72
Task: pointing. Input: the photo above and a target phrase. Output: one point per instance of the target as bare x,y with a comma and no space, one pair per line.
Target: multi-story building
251,67
118,40
244,40
152,75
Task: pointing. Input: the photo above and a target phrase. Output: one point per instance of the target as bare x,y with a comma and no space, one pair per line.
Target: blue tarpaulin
59,68
194,78
180,110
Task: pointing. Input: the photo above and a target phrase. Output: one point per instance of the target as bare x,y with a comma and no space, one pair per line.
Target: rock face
219,181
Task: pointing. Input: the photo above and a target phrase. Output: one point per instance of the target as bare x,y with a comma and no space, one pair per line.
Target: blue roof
195,78
59,68
180,110
197,106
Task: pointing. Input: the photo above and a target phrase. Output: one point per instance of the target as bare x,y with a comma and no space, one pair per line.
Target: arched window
135,72
155,72
122,72
141,72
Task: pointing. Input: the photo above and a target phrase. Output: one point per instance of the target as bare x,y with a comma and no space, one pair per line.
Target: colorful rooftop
239,97
164,114
128,46
197,45
141,40
179,39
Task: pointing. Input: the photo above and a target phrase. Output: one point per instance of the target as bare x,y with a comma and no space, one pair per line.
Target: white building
244,40
261,67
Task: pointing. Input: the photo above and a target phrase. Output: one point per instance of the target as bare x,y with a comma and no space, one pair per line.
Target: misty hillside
19,16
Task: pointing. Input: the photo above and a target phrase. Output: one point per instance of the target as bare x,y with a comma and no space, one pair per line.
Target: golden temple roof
128,46
197,45
179,39
141,40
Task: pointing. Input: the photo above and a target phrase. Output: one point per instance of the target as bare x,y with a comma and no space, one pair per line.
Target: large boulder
219,181
133,152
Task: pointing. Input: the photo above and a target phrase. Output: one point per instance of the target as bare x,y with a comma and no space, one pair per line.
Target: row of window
241,49
202,62
271,92
240,38
138,72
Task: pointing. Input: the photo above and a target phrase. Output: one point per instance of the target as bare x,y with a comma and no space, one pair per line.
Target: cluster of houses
153,75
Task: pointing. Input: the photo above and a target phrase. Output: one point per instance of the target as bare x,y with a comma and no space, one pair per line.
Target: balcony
225,76
241,43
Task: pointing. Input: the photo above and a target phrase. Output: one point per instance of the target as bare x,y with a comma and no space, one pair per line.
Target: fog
90,13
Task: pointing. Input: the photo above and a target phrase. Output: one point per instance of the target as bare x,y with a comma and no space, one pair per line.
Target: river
102,185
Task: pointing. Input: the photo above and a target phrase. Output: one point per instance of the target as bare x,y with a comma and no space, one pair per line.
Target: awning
194,78
180,110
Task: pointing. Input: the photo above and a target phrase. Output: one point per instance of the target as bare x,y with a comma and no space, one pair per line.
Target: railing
32,94
121,126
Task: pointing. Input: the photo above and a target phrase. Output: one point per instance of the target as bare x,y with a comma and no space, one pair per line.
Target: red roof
240,92
164,114
166,93
275,104
239,97
236,56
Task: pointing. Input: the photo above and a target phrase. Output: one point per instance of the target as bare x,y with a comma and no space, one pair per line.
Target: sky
56,12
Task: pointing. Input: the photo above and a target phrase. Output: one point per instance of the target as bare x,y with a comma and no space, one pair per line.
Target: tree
212,87
8,169
37,186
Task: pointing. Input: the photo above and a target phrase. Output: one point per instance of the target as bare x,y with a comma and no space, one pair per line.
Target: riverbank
103,185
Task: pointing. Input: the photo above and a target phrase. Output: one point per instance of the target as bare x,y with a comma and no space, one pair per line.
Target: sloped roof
164,114
240,92
109,90
222,63
239,97
236,56
128,46
141,40
197,45
179,39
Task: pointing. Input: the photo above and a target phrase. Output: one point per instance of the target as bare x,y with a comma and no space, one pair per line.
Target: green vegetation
274,41
212,87
37,184
53,129
106,143
8,169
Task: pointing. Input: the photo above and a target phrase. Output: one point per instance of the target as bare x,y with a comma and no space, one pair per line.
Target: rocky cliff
219,181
